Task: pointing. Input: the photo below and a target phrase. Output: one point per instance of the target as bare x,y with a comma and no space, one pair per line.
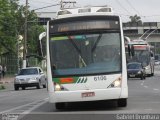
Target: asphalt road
144,98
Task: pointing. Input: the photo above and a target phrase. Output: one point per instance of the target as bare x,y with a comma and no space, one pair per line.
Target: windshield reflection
85,54
28,72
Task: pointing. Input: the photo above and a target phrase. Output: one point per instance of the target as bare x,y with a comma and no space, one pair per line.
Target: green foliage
7,25
2,87
12,21
135,19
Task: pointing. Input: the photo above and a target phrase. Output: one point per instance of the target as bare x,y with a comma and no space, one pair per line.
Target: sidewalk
7,79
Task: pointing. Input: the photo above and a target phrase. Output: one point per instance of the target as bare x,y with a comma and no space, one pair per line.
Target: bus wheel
122,102
60,106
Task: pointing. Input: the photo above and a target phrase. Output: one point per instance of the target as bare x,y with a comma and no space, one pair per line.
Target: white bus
86,57
140,51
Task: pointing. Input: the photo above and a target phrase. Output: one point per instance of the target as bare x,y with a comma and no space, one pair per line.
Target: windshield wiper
78,50
97,41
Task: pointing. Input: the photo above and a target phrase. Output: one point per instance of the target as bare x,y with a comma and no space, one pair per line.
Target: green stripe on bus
58,80
82,80
85,80
79,80
75,80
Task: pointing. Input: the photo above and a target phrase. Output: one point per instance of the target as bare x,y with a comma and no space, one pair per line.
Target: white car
29,77
157,62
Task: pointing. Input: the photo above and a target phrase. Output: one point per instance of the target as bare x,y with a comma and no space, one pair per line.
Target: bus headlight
57,87
116,83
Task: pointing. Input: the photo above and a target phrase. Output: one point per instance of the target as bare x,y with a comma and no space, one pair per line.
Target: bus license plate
88,94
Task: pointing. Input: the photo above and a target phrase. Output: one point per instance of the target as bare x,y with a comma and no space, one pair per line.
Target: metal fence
13,64
10,61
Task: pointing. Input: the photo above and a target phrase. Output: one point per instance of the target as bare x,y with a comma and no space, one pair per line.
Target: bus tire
60,106
122,102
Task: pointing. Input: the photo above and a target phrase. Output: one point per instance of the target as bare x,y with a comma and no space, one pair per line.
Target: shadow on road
91,106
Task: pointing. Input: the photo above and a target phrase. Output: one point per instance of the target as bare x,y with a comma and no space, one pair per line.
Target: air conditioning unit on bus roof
89,10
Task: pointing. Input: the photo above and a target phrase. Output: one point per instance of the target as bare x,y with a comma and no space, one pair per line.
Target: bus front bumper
148,71
88,95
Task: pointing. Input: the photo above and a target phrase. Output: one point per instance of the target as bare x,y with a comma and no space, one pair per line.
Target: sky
148,10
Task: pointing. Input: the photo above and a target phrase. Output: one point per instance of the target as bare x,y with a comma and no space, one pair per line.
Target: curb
7,80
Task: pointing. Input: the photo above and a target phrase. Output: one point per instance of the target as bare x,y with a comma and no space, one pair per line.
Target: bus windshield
142,56
82,54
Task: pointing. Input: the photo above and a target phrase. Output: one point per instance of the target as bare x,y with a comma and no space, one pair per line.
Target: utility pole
63,3
25,36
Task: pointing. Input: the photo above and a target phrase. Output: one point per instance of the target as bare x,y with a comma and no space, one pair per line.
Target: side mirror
41,73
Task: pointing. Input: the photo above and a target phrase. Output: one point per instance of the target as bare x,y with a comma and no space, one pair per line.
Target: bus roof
139,42
85,11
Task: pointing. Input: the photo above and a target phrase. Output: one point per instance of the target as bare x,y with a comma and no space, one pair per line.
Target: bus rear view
86,60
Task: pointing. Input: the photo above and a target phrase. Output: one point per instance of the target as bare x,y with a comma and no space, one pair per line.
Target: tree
135,19
12,19
7,25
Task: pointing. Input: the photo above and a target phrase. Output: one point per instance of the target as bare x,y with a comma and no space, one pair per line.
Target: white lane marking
155,89
146,86
142,83
35,106
19,107
25,112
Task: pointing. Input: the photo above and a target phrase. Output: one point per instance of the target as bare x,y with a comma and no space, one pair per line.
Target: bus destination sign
87,25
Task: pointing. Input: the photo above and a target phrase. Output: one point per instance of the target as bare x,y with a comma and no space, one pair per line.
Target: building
43,17
131,30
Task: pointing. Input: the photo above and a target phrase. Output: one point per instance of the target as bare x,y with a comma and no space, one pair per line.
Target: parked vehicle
136,70
29,77
157,62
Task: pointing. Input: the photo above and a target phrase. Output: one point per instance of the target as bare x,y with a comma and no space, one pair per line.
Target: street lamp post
25,36
19,39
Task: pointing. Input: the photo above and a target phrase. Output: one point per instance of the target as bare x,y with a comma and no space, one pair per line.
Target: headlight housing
16,80
116,83
59,87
